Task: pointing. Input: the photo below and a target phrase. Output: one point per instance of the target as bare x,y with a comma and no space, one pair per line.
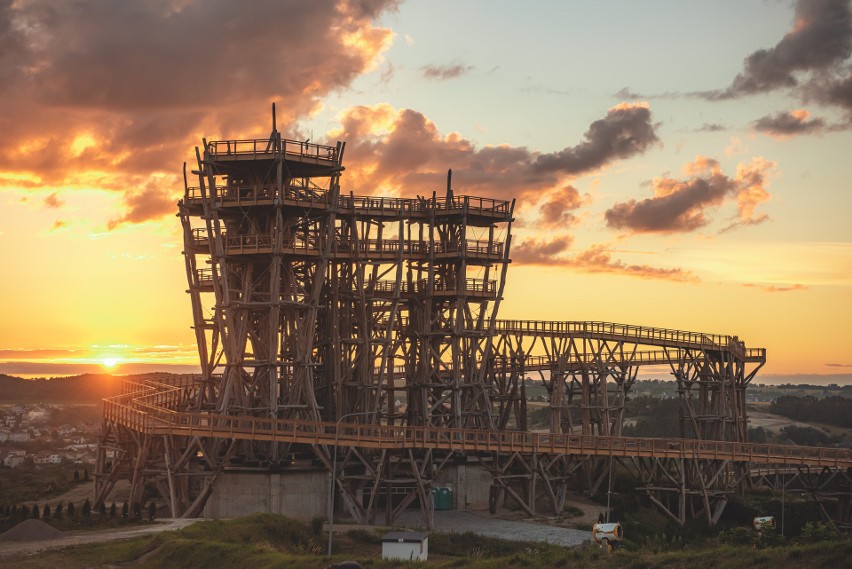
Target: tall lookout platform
358,334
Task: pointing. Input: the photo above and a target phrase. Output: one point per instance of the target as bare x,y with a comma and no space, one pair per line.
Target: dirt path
772,422
11,550
483,523
79,493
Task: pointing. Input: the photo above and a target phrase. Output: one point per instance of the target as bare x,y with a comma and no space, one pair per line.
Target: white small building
14,458
405,546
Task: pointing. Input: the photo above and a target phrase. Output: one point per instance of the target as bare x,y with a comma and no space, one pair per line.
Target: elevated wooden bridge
148,410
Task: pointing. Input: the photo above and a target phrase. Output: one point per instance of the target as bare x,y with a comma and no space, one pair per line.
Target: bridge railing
615,331
148,413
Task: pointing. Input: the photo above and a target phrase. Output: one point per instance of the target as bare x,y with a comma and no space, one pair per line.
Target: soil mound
31,530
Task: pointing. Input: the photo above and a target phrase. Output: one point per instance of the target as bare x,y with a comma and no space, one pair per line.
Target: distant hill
86,388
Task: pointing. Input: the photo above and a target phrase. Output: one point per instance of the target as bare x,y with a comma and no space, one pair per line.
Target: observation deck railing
262,148
385,248
371,205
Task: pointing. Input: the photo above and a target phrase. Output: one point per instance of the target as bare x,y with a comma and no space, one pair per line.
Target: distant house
42,457
4,435
14,458
19,437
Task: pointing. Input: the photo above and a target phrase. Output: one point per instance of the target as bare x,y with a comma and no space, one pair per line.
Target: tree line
833,410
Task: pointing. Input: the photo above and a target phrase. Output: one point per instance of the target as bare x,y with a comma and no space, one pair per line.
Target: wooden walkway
150,411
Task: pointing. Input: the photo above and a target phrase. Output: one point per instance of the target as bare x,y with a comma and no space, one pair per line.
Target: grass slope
266,541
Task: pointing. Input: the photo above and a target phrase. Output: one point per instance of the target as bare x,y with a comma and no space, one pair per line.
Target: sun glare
109,363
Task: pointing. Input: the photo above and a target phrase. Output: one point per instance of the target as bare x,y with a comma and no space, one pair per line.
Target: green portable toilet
445,499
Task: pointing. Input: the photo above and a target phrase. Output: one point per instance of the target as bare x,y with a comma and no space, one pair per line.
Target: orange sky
691,188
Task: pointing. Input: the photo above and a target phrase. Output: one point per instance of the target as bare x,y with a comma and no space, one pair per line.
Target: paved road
482,523
11,549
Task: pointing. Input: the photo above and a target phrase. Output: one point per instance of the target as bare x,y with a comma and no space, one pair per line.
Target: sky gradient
676,164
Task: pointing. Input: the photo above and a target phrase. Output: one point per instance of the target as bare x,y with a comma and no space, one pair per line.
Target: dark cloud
443,72
95,92
153,202
595,259
625,94
402,151
680,205
626,131
832,91
711,127
820,41
788,123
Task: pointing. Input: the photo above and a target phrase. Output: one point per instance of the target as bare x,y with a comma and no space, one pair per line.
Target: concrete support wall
469,483
299,495
303,494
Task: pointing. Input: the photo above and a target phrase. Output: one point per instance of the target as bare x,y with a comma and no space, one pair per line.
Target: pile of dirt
31,530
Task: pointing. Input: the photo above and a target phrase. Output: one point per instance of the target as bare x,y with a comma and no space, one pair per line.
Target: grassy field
28,483
268,541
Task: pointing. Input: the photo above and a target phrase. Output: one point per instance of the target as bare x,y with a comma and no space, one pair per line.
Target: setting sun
110,363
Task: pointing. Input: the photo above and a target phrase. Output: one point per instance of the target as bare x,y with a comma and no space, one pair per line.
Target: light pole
334,475
783,488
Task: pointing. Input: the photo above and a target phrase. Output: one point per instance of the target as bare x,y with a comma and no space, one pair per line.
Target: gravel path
484,524
9,550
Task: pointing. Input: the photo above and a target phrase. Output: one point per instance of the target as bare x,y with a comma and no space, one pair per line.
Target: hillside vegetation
268,541
87,388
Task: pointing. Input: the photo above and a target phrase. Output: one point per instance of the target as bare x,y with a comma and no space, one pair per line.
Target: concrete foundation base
303,494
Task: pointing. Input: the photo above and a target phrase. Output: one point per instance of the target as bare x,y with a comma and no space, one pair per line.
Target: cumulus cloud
814,50
789,123
403,151
98,92
681,205
541,252
443,72
596,259
626,131
556,211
